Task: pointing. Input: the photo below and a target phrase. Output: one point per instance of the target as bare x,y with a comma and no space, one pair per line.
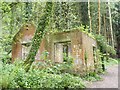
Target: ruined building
75,43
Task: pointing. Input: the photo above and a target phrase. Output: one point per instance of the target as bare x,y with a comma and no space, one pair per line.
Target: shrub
93,76
111,61
55,68
103,45
14,76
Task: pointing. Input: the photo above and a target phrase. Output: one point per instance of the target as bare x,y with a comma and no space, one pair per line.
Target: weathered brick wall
79,43
24,35
87,46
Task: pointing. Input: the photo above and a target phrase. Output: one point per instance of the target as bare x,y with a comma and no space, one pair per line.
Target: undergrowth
14,76
45,75
111,62
93,76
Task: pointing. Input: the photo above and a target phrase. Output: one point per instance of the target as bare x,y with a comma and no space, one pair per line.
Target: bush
111,62
55,68
92,77
14,76
104,46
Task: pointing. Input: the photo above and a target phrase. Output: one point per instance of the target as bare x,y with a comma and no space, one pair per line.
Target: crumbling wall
78,42
25,35
87,46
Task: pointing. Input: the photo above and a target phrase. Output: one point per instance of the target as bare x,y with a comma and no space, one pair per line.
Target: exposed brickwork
79,43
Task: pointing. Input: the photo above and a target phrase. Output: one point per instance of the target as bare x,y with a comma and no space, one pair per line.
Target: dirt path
110,79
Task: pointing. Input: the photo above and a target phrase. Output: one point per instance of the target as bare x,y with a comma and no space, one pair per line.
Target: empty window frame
25,50
62,51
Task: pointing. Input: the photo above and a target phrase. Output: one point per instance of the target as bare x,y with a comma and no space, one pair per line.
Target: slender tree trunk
102,59
105,34
110,20
118,47
89,16
99,19
40,32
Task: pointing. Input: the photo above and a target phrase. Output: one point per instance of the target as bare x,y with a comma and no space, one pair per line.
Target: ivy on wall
40,32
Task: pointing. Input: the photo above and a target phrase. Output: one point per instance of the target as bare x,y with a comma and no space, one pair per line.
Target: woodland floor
109,79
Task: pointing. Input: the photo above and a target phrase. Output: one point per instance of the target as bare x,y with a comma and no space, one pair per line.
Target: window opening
62,51
25,50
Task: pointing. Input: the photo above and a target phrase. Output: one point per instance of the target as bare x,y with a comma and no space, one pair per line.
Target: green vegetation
14,76
92,76
52,17
111,62
104,46
44,75
54,68
39,34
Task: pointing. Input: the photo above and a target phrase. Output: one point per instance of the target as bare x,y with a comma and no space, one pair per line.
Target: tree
40,32
8,18
89,15
110,21
84,13
116,25
99,18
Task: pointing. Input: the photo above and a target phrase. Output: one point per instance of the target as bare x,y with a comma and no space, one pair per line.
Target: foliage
55,68
92,76
116,24
111,62
65,17
103,45
11,22
39,34
13,16
14,76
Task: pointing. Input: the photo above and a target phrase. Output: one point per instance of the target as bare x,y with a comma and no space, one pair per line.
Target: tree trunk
102,59
40,32
105,34
99,19
118,47
103,64
110,20
89,16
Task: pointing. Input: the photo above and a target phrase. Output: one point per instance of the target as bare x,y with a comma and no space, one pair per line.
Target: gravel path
110,79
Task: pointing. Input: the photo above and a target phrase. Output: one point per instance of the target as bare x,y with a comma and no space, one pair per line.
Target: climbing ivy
40,32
